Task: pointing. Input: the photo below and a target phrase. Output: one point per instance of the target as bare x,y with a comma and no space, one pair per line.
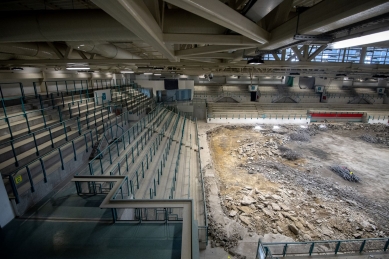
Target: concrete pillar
6,211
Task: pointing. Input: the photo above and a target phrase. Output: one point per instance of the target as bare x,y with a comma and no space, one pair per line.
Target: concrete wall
6,212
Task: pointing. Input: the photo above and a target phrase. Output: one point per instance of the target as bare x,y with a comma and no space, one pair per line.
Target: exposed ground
301,199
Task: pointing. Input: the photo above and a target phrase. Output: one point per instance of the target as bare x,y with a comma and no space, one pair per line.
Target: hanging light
255,61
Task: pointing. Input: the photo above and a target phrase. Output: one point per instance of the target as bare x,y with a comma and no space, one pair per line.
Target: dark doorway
253,96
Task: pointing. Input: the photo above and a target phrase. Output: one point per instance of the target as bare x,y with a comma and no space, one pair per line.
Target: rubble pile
300,136
305,208
345,173
305,205
369,138
290,154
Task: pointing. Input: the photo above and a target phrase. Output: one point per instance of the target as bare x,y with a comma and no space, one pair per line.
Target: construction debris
300,136
345,173
369,138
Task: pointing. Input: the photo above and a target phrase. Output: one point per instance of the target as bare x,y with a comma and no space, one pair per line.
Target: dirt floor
302,199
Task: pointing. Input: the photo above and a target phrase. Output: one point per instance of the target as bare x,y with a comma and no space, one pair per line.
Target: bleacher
42,135
159,155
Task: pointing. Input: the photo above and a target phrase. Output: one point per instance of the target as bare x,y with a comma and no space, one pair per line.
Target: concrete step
28,155
52,163
22,124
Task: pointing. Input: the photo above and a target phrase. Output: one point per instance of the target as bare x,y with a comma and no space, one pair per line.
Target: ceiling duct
34,50
104,50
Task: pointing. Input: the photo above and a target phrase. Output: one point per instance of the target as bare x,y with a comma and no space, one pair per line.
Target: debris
293,229
247,200
369,138
300,136
233,213
345,173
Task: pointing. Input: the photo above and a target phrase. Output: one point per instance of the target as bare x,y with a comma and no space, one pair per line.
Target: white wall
6,212
276,121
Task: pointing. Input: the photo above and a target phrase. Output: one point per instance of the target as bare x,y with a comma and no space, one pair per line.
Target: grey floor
65,225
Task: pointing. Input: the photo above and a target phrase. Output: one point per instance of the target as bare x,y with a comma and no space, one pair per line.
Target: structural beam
219,13
55,49
317,52
278,16
206,50
326,16
297,52
135,16
208,39
165,62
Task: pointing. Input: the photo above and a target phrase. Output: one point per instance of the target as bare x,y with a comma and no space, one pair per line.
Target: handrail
335,250
109,146
202,182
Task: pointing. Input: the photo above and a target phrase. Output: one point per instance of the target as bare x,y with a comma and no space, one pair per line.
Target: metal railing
205,227
87,137
126,137
329,247
256,115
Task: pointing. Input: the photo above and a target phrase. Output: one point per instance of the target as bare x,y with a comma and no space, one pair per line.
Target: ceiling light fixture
127,72
157,74
255,61
77,68
17,68
362,40
148,73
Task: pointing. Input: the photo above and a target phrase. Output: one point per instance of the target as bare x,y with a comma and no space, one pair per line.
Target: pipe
38,50
104,50
32,50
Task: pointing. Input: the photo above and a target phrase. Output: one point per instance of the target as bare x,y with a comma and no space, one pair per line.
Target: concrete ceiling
198,35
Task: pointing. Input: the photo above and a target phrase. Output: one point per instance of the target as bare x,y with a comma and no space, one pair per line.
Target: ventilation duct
104,50
35,50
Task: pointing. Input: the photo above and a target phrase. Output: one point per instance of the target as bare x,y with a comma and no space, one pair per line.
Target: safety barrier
315,248
259,118
89,136
203,230
126,137
378,119
336,116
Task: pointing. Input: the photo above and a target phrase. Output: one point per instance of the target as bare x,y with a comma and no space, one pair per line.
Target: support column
363,55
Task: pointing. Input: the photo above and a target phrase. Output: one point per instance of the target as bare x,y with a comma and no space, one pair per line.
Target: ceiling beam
213,55
278,16
55,49
135,16
164,62
317,52
326,16
221,14
297,52
207,49
208,39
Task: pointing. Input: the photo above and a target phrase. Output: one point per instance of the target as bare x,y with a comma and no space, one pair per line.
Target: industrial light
157,74
148,73
362,40
127,72
77,68
17,68
255,61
